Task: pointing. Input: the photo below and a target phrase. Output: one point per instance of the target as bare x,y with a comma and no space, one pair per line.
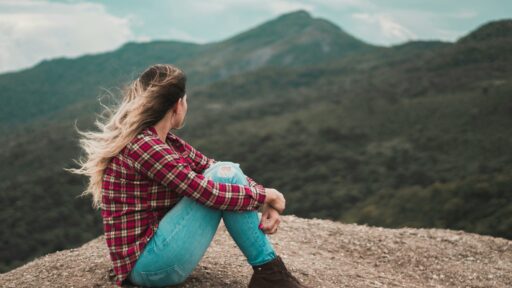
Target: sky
34,30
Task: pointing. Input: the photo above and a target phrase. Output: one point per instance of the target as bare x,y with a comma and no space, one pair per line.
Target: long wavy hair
145,101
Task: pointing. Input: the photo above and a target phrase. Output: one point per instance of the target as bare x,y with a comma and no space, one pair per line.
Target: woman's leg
187,230
242,225
182,237
269,268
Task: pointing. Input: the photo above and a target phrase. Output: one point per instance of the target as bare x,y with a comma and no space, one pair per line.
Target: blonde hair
145,101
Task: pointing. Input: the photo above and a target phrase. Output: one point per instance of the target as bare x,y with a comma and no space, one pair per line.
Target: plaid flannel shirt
146,179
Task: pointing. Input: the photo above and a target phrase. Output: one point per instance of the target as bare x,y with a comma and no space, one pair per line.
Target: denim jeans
186,231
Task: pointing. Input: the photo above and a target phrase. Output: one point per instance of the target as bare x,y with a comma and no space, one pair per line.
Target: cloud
465,14
448,34
31,31
389,29
175,33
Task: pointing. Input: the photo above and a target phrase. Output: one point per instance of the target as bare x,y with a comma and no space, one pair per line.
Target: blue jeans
186,231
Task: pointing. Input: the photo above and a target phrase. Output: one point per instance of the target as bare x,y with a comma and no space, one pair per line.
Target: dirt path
321,253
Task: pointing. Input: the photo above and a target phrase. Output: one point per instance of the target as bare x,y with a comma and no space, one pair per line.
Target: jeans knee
226,172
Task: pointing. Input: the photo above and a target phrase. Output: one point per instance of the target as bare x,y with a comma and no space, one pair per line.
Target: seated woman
162,200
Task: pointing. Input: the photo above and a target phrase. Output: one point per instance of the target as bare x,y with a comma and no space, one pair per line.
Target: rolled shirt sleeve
159,162
251,181
200,161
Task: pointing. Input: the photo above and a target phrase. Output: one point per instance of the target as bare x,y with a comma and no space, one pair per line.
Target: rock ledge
322,253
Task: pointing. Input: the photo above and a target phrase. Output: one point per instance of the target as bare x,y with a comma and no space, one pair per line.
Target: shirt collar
170,136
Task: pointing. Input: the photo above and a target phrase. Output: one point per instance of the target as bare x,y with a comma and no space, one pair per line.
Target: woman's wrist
271,195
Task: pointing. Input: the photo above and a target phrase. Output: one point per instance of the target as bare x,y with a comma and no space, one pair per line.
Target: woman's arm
251,182
200,161
157,161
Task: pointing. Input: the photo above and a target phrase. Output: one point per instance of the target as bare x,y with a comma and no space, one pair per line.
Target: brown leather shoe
274,274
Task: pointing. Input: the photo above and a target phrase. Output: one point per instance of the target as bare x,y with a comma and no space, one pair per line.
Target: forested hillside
416,134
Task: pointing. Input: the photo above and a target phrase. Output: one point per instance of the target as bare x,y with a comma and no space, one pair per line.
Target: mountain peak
321,253
286,24
298,14
298,28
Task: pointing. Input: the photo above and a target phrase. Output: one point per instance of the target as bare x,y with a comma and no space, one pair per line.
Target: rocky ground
321,253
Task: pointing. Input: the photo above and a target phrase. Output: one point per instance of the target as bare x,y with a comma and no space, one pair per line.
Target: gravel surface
321,253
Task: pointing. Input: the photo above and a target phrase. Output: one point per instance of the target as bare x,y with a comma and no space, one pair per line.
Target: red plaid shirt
146,179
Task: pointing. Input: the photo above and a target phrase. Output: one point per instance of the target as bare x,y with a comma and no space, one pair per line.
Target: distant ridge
494,30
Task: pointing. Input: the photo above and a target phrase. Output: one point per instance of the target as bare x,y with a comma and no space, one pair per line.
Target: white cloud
180,35
31,31
465,14
389,29
447,34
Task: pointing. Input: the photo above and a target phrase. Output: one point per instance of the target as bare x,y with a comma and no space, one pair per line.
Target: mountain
291,40
411,135
321,253
492,31
52,85
294,39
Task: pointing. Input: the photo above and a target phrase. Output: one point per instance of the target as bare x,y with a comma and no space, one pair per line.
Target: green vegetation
414,135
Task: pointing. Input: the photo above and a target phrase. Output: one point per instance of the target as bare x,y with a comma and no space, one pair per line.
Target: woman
162,200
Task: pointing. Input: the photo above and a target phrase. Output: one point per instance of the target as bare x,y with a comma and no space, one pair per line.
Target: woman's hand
275,199
270,219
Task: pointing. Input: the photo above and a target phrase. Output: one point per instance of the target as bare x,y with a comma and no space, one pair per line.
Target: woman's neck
162,128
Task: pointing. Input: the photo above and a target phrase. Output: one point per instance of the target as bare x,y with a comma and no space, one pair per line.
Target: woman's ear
174,108
179,104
